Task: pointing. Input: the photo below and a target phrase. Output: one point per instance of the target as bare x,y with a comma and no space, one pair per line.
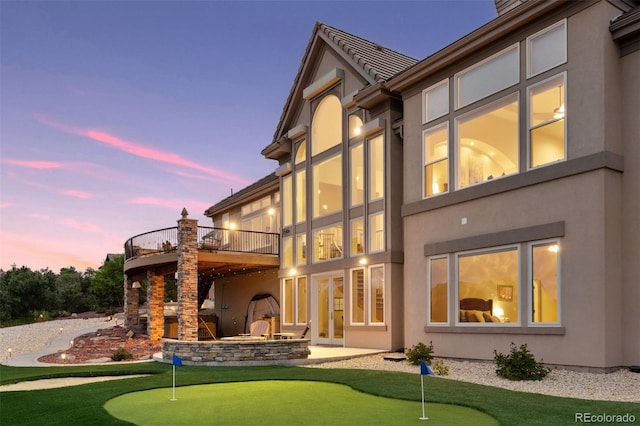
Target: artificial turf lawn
281,402
84,405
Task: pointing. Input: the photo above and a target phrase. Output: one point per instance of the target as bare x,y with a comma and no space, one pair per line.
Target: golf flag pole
424,371
177,362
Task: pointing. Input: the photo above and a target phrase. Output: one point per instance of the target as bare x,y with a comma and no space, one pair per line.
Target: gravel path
621,385
28,338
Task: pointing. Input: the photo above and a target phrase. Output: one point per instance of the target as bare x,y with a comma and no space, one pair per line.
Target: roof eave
472,42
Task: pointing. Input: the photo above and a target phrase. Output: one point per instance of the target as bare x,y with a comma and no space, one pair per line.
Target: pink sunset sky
116,115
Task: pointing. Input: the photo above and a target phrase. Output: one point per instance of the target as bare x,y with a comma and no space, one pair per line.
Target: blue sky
116,115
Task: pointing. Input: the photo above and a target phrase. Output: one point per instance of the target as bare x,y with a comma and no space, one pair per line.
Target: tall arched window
301,153
326,127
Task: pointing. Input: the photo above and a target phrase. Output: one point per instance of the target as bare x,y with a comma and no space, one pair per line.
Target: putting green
280,402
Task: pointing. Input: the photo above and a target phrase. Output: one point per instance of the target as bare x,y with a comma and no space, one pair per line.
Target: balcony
221,251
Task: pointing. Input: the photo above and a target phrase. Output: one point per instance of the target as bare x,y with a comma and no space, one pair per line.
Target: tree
23,291
74,291
108,284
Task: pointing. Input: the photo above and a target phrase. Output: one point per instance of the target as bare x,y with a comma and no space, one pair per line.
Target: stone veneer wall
155,297
248,352
187,278
131,307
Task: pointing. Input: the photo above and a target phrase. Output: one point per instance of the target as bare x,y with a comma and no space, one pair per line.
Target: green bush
420,353
121,354
519,364
440,368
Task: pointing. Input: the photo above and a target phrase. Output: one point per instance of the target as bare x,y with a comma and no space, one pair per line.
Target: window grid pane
327,243
301,249
357,296
547,122
301,196
489,276
301,300
357,175
436,101
357,237
327,186
487,142
376,232
288,301
376,168
438,290
436,160
326,127
376,293
545,285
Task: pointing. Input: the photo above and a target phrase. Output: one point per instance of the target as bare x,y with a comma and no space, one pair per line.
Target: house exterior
484,195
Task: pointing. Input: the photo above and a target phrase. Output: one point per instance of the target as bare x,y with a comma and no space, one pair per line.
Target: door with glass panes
328,306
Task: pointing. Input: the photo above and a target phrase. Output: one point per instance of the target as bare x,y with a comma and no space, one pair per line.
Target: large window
481,133
376,168
327,243
487,142
356,175
327,186
301,196
545,289
546,122
436,160
294,295
367,295
439,290
326,126
489,275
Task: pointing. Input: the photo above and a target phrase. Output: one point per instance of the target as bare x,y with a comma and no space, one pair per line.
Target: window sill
497,329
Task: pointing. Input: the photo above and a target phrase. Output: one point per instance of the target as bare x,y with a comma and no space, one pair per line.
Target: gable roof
372,61
260,187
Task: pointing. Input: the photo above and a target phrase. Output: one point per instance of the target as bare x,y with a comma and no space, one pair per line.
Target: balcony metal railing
209,238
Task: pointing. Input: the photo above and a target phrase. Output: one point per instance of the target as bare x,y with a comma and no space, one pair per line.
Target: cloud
140,150
38,216
5,205
87,227
79,167
78,194
31,164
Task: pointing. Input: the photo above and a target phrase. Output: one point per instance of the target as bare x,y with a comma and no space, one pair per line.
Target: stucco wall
233,294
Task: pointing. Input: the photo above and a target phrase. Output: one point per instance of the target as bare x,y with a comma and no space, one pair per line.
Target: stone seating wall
237,352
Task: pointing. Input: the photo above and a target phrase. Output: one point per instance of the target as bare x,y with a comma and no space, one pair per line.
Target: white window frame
447,159
368,296
530,128
532,38
352,296
456,76
425,104
296,299
448,321
456,284
530,247
489,105
284,300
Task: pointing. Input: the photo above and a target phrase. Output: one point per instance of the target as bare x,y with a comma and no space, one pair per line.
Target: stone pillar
131,308
187,278
155,299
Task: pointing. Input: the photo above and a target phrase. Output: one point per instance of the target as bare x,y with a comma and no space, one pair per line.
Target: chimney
503,6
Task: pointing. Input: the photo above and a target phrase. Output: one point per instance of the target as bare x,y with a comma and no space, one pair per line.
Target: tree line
38,295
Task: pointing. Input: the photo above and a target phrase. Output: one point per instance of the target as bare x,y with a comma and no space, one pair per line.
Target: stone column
155,299
131,308
187,278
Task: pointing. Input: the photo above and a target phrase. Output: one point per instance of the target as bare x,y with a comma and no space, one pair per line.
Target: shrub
121,354
440,368
420,353
519,364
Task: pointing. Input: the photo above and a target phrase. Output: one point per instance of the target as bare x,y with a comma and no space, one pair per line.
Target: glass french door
329,307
